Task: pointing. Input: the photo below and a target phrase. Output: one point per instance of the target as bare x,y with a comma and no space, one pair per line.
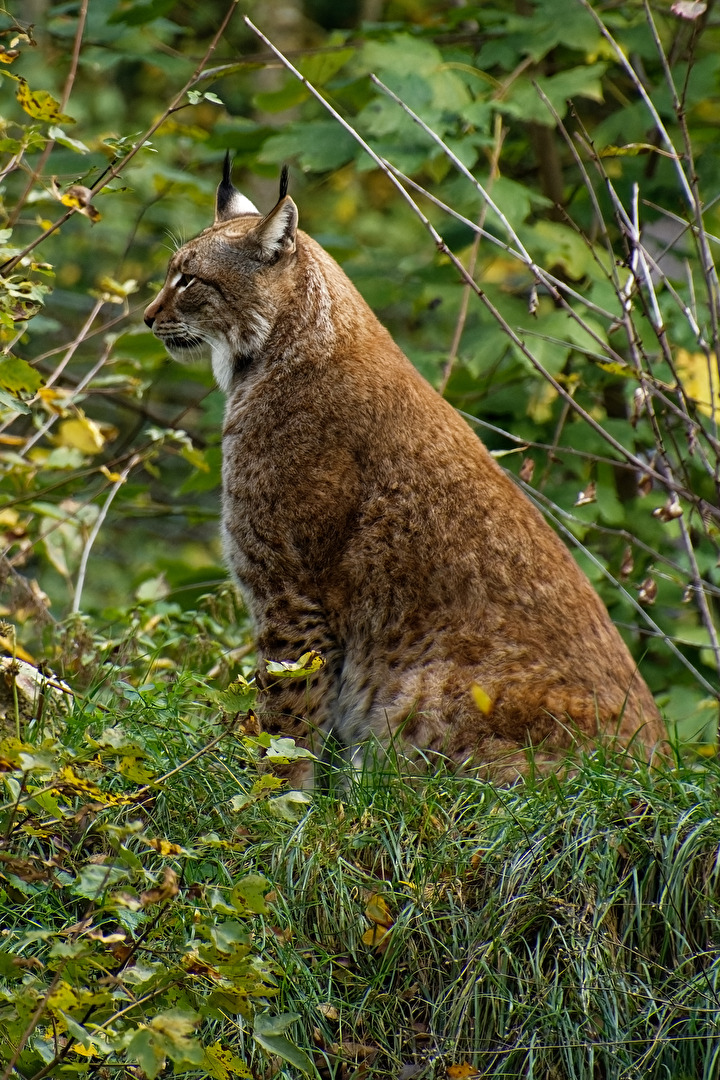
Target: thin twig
472,260
96,529
114,171
641,465
67,90
537,498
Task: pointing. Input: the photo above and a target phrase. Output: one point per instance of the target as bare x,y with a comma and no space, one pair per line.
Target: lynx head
225,289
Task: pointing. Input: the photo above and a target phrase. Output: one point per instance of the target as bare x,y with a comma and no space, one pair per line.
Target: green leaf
239,697
291,94
144,1049
59,136
95,878
318,145
141,12
283,749
152,589
17,376
524,102
249,894
320,68
11,402
291,806
267,1032
227,936
196,96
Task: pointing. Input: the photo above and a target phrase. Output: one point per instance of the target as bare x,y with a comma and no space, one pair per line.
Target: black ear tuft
284,182
225,191
229,203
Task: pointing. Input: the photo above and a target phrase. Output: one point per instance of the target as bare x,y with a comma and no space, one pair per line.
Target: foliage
163,900
128,919
528,202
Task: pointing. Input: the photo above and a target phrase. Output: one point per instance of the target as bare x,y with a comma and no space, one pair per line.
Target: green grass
563,929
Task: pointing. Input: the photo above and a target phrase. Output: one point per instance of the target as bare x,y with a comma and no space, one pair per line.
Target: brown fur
364,519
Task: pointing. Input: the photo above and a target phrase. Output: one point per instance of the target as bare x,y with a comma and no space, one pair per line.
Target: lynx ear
229,203
276,233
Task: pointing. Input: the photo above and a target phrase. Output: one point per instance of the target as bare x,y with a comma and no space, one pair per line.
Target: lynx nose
152,311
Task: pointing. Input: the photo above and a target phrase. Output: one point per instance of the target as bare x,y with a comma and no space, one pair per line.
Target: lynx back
364,519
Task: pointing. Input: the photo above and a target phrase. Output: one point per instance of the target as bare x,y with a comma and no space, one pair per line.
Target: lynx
365,520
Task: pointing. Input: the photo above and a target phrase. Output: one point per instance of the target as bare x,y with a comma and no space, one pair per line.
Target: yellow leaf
481,698
86,1051
165,847
39,104
699,379
112,476
376,937
63,997
52,397
83,434
378,912
13,649
541,402
463,1071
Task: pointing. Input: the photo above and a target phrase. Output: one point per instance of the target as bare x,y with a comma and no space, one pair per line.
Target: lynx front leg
301,707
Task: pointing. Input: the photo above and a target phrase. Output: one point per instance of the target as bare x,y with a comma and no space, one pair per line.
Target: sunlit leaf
308,664
377,910
17,376
59,136
82,434
39,103
700,380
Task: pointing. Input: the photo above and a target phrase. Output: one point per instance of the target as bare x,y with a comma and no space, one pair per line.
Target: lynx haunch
364,519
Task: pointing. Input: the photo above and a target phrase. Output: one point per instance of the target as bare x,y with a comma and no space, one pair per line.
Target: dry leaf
588,495
644,485
627,565
377,911
80,197
527,469
648,592
689,9
165,847
670,511
166,891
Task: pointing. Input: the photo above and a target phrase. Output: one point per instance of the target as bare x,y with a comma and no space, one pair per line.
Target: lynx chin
365,520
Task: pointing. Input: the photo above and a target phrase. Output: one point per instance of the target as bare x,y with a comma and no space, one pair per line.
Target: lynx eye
183,281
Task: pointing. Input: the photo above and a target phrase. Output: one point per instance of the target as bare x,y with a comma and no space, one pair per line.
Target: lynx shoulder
364,519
